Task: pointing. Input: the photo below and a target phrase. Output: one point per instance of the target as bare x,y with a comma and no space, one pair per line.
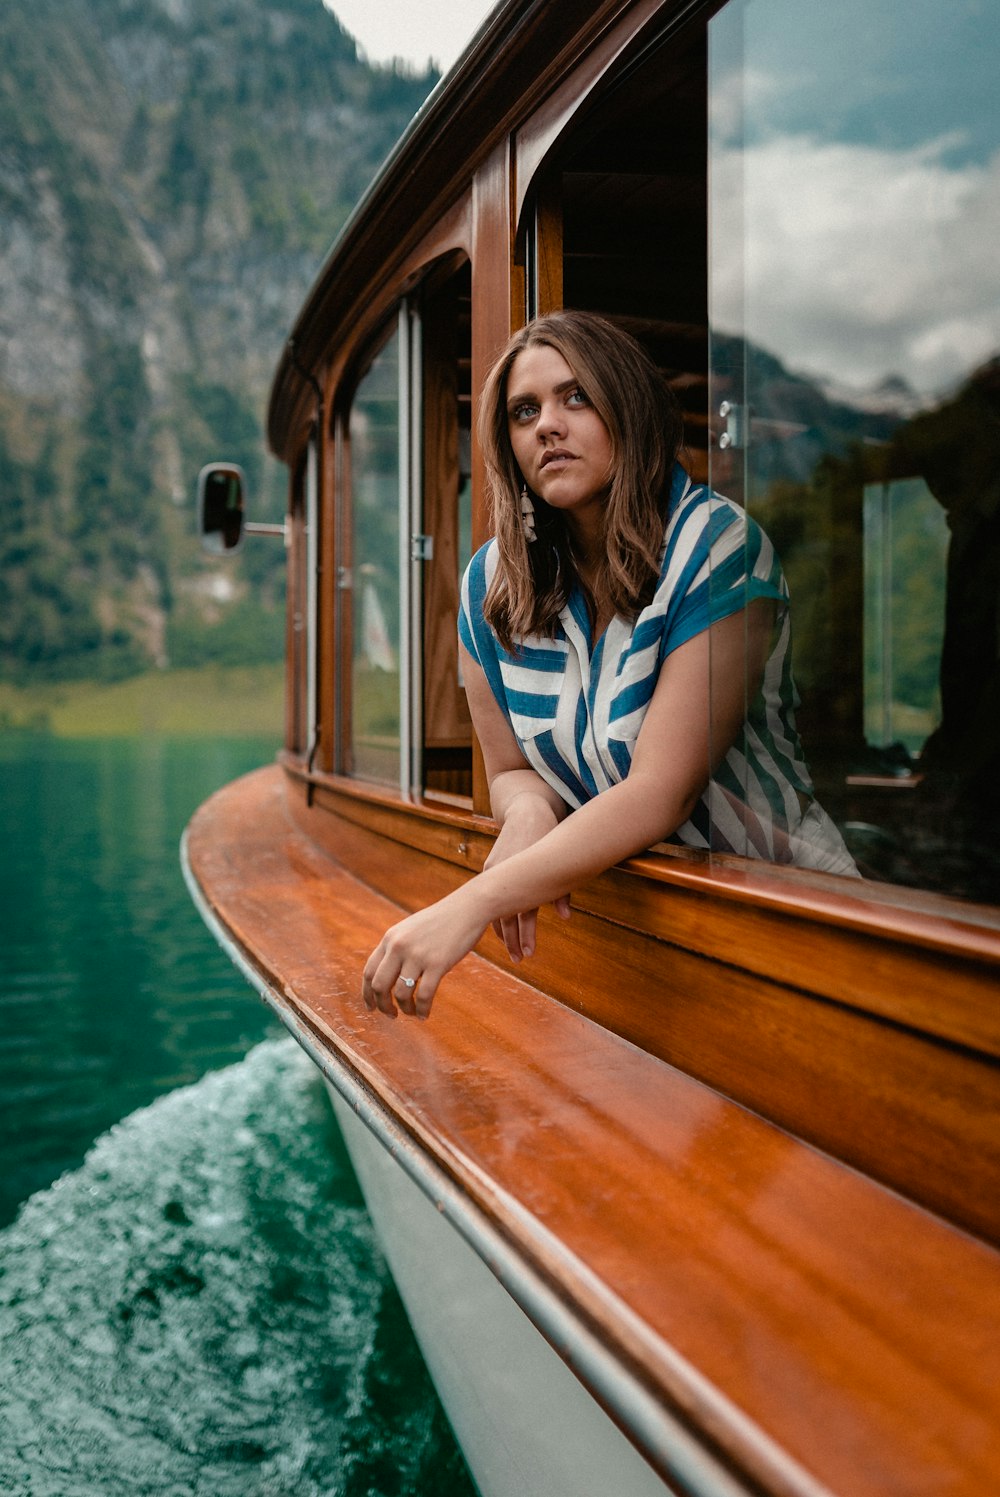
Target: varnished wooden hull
755,1313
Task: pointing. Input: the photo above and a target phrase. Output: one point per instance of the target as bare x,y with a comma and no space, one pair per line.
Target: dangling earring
527,516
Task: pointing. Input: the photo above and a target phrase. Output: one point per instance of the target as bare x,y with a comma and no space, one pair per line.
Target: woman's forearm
527,810
523,789
617,824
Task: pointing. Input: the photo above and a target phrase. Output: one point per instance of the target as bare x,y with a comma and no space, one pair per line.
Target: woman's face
560,443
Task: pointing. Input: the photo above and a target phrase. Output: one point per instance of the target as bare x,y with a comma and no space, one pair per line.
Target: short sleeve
716,561
473,630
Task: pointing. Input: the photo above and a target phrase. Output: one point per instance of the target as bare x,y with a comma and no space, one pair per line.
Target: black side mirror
221,499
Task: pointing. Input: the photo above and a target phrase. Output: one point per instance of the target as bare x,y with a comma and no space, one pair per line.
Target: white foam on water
200,1308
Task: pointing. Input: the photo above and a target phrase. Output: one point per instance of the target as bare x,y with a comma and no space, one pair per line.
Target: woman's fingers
412,957
527,924
381,971
384,985
519,932
404,992
414,995
510,937
424,997
367,991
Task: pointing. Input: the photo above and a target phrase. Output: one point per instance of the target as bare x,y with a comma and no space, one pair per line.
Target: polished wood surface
858,1019
816,1329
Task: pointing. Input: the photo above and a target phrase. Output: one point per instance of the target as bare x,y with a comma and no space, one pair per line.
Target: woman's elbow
664,809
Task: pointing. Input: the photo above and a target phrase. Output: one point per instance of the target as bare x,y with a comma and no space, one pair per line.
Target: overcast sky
423,29
856,190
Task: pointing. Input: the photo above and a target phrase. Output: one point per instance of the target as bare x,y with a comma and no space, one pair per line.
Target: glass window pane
375,507
905,544
855,321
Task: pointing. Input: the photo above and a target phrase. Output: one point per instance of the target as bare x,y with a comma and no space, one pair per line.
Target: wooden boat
704,1197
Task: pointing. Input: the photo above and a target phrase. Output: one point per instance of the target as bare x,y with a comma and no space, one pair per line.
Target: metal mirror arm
262,527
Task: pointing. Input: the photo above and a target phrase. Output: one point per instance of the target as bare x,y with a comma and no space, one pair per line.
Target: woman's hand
528,820
413,956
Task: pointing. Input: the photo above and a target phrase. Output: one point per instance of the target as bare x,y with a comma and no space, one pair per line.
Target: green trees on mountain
47,608
172,176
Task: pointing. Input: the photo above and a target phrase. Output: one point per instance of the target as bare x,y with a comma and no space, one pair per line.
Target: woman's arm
523,805
693,718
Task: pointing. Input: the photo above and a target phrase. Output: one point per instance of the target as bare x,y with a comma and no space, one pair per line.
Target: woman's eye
524,411
577,397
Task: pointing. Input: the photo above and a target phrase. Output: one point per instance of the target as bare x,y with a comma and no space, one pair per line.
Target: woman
587,630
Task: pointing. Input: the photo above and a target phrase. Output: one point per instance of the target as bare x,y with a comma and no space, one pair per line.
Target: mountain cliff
171,176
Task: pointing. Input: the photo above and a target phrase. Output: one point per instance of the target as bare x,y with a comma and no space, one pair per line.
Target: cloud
859,261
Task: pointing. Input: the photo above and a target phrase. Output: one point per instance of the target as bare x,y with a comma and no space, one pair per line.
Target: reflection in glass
375,490
905,546
855,329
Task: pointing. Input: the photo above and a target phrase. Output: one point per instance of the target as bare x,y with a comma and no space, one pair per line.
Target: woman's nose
550,419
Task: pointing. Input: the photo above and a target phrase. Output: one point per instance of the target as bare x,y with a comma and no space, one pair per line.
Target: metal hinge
421,548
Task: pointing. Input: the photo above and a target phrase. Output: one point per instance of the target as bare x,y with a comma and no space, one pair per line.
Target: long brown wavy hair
533,580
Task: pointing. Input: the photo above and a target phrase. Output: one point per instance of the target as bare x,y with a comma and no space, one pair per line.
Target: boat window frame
310,629
299,644
394,324
446,525
404,320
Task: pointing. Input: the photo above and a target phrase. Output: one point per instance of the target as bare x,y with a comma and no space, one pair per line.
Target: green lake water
191,1297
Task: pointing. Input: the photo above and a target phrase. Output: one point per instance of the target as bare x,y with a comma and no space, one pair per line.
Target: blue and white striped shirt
576,711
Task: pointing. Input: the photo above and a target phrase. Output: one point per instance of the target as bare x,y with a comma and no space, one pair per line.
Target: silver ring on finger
408,982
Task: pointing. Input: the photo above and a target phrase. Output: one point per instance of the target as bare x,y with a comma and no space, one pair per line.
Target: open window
615,221
405,535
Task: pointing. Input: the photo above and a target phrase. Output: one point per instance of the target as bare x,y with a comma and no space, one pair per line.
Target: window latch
735,418
421,548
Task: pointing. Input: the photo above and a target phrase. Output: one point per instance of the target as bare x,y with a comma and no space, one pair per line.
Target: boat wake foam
202,1308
